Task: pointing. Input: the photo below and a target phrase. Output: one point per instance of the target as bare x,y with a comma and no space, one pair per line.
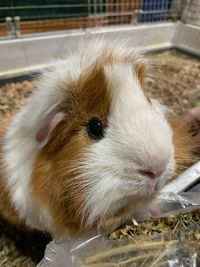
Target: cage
43,27
34,32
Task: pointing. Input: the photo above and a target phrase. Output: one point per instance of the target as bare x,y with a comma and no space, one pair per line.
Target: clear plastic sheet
99,251
168,204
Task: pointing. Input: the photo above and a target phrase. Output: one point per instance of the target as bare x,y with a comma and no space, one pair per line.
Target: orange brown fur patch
186,145
53,182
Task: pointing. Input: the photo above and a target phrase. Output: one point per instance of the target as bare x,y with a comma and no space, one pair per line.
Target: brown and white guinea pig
89,145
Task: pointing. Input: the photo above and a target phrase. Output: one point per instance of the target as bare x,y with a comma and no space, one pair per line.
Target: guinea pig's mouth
140,189
146,183
140,186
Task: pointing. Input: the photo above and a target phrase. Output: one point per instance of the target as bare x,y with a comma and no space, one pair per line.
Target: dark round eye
95,128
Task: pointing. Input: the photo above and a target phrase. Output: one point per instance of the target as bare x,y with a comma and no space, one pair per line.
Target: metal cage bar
44,15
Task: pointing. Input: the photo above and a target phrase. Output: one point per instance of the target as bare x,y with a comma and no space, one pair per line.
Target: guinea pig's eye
95,128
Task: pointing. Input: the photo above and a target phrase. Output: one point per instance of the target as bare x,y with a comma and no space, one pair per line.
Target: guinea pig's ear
49,124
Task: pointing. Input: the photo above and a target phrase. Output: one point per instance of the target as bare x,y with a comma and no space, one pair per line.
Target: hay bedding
177,84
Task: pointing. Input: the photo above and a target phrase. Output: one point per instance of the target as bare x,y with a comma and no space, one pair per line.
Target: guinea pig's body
89,145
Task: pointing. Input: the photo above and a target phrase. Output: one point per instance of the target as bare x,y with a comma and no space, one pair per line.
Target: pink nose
155,167
151,173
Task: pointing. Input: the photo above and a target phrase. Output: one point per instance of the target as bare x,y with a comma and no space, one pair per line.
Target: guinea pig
89,144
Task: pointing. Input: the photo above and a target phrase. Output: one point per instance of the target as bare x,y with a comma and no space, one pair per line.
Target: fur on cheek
185,143
57,189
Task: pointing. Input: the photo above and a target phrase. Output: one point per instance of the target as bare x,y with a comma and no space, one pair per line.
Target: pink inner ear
44,133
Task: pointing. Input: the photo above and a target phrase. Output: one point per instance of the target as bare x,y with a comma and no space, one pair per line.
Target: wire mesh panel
191,12
122,12
3,15
47,15
34,16
157,10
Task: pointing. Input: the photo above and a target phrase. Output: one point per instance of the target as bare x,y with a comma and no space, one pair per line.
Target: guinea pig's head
104,141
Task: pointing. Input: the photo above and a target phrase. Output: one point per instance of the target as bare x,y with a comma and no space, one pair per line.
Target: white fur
20,148
138,137
136,132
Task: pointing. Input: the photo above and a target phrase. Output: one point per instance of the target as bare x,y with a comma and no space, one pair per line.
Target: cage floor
176,84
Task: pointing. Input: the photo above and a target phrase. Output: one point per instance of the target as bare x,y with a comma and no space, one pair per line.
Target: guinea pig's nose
149,173
155,167
152,174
